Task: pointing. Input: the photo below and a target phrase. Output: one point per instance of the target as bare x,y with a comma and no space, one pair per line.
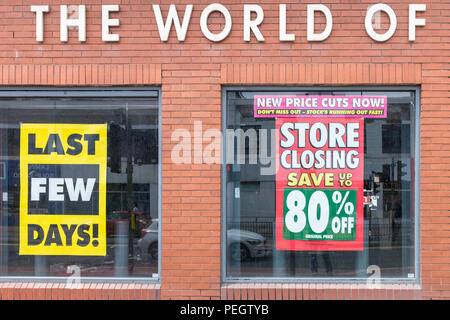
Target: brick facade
191,74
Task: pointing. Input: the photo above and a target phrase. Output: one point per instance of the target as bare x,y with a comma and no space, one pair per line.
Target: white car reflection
148,243
242,245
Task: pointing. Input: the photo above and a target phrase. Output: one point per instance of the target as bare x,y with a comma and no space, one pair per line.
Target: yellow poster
63,189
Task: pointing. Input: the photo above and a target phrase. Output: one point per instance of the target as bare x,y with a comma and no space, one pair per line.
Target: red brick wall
191,74
83,291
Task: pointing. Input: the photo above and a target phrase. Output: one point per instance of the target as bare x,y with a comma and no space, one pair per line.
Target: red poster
319,184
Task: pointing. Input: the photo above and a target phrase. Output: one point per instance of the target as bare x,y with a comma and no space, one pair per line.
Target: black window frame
315,90
112,92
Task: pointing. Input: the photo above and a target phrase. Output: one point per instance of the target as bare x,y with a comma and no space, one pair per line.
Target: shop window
389,208
80,183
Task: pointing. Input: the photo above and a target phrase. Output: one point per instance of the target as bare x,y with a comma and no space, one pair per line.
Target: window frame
289,89
95,92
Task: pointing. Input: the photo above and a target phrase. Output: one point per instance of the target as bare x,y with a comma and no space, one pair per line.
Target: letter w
80,189
375,102
172,17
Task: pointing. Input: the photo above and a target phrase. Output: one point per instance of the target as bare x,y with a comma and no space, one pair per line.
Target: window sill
81,291
319,291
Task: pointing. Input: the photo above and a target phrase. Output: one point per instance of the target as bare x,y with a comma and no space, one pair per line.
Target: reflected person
326,259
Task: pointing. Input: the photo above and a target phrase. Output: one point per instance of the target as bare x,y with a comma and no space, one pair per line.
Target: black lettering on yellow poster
63,189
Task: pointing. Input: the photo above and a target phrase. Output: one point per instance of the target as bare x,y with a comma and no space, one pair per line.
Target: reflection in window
389,216
132,184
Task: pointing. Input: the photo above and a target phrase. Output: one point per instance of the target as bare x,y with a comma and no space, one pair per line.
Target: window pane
389,230
131,185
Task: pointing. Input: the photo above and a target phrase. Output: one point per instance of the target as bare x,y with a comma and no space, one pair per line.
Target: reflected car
242,245
148,243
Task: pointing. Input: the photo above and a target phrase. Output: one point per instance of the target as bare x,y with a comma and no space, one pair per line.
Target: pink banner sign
292,106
